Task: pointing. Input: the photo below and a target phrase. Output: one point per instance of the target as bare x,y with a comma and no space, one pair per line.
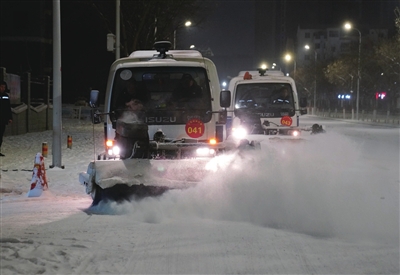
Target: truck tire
96,194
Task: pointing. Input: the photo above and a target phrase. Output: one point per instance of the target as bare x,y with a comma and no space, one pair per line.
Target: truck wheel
255,144
96,194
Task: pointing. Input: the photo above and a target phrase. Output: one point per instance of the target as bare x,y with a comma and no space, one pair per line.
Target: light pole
352,100
348,26
187,24
288,57
274,65
117,29
315,77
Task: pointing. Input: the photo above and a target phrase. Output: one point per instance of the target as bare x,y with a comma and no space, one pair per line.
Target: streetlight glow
348,26
187,24
307,47
288,57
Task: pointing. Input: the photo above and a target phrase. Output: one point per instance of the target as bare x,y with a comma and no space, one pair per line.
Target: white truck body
171,140
255,106
142,59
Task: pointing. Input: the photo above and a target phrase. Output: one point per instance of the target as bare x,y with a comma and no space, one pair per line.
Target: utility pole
348,26
118,30
315,80
57,102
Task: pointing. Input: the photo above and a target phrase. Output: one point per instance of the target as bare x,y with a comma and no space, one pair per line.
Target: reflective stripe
4,97
282,100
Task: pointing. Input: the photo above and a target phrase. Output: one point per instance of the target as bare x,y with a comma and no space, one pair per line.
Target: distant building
330,43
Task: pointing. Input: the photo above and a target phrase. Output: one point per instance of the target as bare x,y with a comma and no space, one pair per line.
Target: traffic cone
45,149
39,179
69,142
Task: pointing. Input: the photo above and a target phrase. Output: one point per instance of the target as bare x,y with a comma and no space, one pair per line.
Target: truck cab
264,102
164,104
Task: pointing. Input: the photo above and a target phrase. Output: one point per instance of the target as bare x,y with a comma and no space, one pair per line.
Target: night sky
229,33
230,30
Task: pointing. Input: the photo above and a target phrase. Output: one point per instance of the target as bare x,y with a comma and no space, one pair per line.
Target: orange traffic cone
45,149
69,142
39,179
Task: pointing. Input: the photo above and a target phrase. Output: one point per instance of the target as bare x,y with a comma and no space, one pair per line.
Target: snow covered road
330,207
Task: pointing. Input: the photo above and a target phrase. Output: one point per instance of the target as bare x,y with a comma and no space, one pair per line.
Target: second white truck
264,105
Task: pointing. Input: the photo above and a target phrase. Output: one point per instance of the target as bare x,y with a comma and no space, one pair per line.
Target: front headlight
116,150
294,133
205,152
239,133
113,151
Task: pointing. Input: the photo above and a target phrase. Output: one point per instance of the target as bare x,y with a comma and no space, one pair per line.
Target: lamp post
307,47
352,100
187,24
274,65
118,29
288,57
348,26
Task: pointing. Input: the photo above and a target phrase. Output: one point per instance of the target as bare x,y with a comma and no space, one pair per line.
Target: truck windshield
163,95
272,98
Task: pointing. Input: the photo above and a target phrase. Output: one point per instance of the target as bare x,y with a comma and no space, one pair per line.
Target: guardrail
78,112
367,116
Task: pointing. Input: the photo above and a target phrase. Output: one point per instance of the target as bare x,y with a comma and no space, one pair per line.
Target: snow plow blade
128,179
122,192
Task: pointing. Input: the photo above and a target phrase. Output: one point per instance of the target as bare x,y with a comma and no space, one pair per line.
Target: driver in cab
283,97
131,100
188,89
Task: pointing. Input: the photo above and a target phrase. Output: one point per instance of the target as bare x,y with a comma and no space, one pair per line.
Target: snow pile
330,206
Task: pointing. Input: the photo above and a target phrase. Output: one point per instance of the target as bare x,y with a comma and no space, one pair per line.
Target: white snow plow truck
265,107
164,119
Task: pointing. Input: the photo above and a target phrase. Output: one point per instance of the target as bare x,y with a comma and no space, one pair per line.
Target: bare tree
145,21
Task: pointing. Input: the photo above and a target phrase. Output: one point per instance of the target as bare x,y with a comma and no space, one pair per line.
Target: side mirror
225,98
94,96
303,102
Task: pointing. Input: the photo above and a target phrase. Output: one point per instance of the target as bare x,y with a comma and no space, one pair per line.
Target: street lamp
307,47
348,26
187,24
274,65
288,58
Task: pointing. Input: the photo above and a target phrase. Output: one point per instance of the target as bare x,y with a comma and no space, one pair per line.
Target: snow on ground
326,206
